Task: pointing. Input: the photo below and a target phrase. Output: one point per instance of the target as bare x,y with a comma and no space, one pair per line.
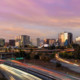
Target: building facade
65,38
38,42
22,40
78,40
11,42
6,44
2,42
50,42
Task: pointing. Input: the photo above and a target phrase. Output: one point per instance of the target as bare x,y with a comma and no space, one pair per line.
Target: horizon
31,38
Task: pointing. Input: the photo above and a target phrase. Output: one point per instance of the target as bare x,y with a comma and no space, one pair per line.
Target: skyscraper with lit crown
65,38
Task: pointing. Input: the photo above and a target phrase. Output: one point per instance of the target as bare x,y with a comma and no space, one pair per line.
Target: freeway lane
42,73
8,75
16,74
38,74
70,65
50,73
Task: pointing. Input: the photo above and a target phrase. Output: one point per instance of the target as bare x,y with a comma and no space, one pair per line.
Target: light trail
21,74
41,70
65,61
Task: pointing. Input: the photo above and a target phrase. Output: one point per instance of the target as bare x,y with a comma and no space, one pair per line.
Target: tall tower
65,38
22,40
38,42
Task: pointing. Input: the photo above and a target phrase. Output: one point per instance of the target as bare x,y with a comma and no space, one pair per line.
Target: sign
12,58
19,58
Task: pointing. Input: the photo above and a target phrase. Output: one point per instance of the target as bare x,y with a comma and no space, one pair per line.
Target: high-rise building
2,42
38,42
22,40
70,38
78,40
65,38
12,42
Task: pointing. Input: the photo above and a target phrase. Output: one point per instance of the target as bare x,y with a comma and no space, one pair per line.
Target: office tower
2,42
70,38
65,38
11,42
22,40
38,42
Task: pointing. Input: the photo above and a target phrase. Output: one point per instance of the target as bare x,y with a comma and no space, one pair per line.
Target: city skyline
43,18
31,38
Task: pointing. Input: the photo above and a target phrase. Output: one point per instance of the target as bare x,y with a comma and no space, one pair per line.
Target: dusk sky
39,18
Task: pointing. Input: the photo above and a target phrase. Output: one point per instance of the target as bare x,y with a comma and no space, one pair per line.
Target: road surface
15,74
46,72
70,65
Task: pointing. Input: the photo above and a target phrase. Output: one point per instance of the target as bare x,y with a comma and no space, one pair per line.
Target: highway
70,65
16,74
15,70
33,72
39,71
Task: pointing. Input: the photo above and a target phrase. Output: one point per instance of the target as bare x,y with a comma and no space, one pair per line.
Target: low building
11,42
2,42
6,44
50,42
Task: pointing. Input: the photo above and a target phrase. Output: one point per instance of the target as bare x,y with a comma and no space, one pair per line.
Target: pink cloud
49,13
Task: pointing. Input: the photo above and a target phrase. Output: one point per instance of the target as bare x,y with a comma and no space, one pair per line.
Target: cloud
44,13
31,12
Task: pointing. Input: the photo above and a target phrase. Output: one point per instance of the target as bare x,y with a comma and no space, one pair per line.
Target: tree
58,64
9,49
6,50
77,51
36,56
51,47
28,56
31,50
52,56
